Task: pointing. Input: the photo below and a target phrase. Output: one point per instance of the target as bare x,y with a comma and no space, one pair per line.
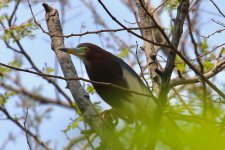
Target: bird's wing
114,70
140,104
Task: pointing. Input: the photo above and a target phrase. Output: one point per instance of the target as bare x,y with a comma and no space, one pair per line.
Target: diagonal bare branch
79,94
217,69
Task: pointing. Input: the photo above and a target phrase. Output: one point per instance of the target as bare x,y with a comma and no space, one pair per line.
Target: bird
102,66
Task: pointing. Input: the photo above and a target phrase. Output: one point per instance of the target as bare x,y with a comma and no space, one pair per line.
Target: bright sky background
40,51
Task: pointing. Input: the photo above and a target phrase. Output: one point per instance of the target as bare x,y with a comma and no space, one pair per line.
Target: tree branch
128,30
76,79
79,94
36,138
182,12
149,48
38,98
179,81
173,50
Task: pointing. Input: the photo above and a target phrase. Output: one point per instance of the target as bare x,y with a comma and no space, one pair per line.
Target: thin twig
218,67
25,127
183,102
78,78
139,64
135,34
39,98
15,121
85,33
14,12
209,52
219,55
159,7
218,8
173,47
35,21
198,60
102,31
135,14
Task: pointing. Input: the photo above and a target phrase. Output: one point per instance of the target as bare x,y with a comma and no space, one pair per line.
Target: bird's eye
86,48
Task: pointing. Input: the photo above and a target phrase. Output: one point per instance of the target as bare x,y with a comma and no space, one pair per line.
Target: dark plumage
105,67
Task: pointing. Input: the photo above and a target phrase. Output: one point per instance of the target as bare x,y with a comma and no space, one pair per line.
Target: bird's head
86,51
79,51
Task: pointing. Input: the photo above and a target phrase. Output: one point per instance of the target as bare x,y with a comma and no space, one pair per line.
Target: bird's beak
79,52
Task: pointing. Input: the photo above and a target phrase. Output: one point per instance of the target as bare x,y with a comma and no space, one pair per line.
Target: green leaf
74,124
204,45
2,17
170,5
90,89
23,30
4,70
9,94
49,70
7,35
2,100
208,65
4,97
223,51
124,52
180,64
76,108
15,63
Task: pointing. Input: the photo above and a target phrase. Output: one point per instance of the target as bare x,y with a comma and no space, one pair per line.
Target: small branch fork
85,33
38,98
21,50
173,45
27,132
180,81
